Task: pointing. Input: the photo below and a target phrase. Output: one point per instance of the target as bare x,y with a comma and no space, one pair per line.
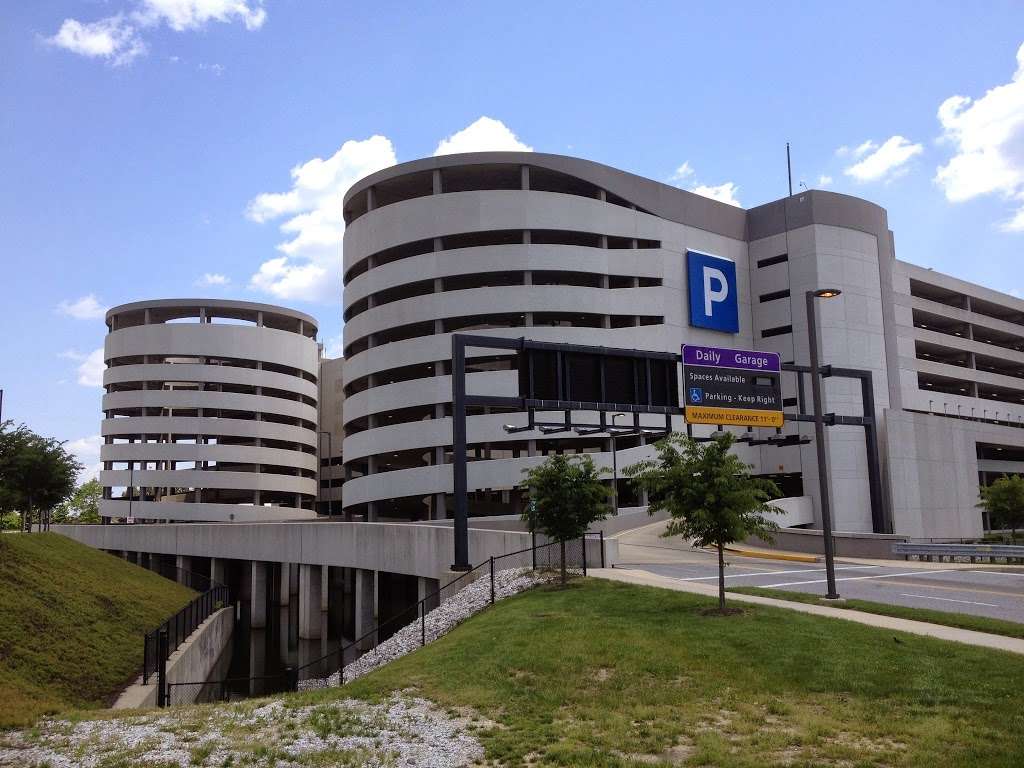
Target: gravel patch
401,731
468,601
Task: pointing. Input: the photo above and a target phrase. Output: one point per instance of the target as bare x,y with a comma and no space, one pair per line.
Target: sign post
731,387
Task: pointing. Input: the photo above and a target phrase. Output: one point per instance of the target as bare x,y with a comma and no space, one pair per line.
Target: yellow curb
773,555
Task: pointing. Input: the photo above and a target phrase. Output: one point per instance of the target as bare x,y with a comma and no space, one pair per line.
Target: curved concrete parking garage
210,412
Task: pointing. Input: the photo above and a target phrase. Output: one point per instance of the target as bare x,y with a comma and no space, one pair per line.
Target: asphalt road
982,590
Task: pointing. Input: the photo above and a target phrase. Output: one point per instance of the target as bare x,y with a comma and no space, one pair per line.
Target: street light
615,467
819,438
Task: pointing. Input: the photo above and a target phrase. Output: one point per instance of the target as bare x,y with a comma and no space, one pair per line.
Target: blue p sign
712,291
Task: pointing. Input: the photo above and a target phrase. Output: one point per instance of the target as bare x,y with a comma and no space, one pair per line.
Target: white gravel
402,731
468,601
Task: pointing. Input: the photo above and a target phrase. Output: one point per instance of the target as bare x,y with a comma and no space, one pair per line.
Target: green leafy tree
36,473
83,506
709,493
1004,502
566,497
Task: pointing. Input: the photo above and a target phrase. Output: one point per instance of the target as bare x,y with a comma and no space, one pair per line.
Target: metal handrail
181,625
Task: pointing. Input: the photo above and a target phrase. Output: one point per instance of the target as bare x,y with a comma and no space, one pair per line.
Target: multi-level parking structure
210,412
509,244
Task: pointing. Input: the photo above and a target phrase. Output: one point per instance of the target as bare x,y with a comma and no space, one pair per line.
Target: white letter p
712,296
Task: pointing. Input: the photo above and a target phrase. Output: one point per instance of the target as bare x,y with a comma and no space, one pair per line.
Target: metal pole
492,579
461,522
615,475
162,653
789,174
819,440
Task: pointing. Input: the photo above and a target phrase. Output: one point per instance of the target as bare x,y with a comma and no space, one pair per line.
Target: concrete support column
258,594
325,588
284,586
366,605
218,570
184,570
426,586
309,601
153,562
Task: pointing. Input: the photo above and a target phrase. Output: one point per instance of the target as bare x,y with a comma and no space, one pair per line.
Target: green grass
959,620
614,675
71,624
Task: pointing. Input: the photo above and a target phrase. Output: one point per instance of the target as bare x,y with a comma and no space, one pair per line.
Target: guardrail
1009,552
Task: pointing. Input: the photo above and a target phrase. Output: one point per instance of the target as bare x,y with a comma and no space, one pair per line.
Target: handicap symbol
696,394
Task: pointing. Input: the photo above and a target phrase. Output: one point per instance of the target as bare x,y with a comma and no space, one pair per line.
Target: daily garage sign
732,387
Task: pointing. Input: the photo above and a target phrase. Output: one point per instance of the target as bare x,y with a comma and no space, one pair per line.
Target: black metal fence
182,624
329,670
230,688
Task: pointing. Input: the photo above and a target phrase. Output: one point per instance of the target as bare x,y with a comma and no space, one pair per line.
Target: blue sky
156,148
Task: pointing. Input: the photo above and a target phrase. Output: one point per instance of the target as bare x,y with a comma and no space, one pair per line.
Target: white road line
853,578
999,573
777,573
950,600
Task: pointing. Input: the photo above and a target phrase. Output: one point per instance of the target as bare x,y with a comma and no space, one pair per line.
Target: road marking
777,573
847,578
998,573
950,600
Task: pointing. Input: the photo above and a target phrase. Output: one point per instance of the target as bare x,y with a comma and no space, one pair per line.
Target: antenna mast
789,171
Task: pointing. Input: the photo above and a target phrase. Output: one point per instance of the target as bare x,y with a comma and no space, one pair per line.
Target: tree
566,497
1004,502
709,493
36,473
83,506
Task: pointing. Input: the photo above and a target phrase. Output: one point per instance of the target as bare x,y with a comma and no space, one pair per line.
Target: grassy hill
71,624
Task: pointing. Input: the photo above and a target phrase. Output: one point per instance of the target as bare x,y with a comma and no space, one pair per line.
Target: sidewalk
983,639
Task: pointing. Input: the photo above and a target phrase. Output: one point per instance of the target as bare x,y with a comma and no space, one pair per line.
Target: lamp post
330,478
819,438
615,467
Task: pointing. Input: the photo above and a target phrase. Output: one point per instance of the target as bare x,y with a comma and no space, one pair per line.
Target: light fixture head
826,293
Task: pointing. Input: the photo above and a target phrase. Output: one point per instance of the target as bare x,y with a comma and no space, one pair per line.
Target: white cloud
118,38
824,181
723,193
311,265
885,162
112,38
87,451
85,308
685,177
216,69
987,135
334,346
211,279
683,173
181,15
90,366
484,135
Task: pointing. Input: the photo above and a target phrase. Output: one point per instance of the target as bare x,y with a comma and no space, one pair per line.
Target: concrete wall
414,550
846,544
191,663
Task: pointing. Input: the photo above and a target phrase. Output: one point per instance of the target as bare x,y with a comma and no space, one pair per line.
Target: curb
795,558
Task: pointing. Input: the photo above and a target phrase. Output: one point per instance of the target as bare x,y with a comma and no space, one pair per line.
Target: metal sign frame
461,402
